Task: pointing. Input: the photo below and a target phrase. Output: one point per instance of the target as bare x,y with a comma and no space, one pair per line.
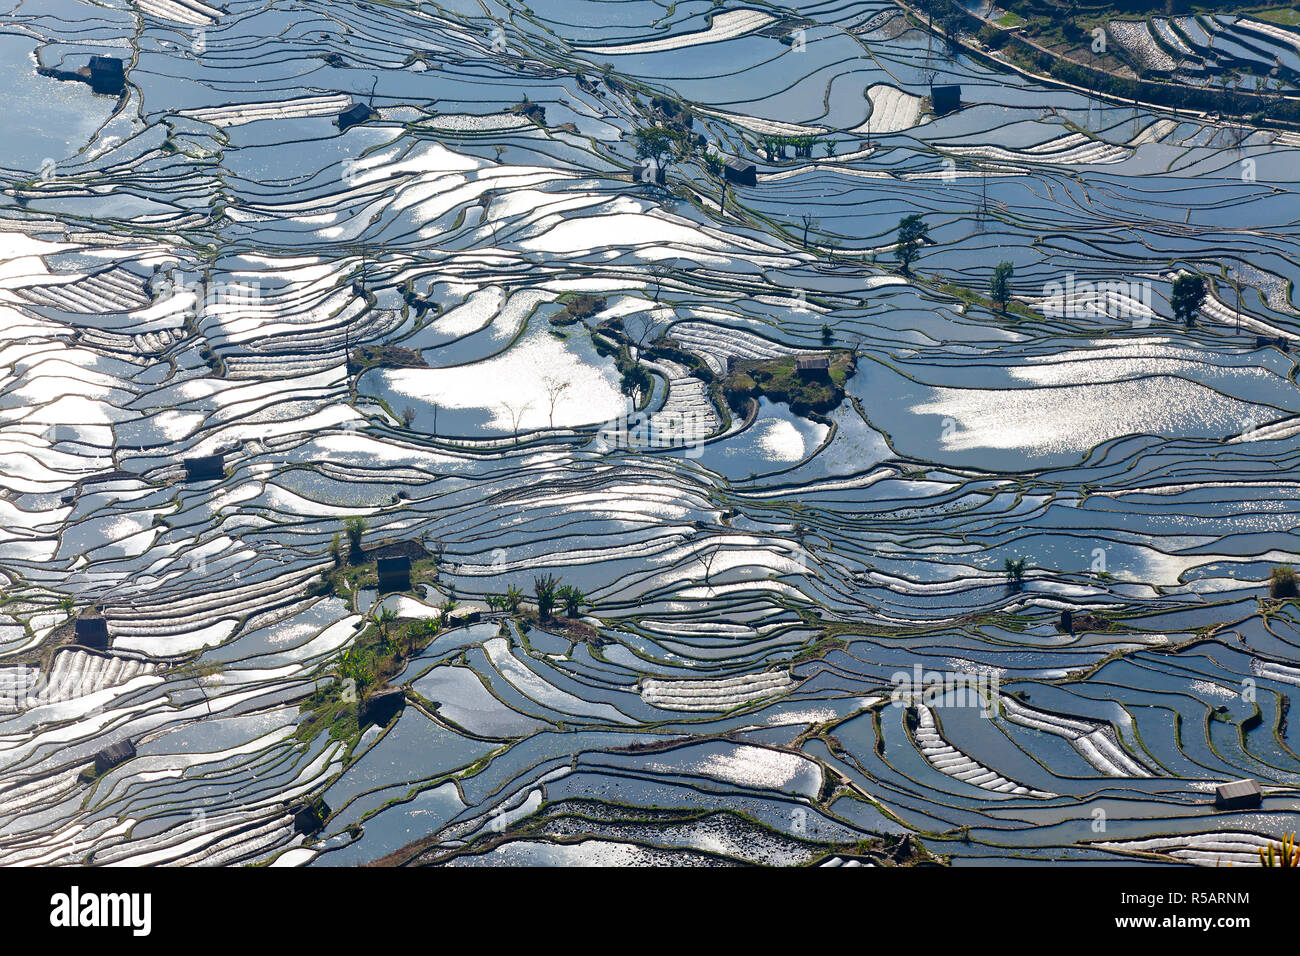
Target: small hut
91,630
945,99
205,468
107,75
113,755
533,111
813,366
1238,795
380,708
354,115
394,574
309,815
739,172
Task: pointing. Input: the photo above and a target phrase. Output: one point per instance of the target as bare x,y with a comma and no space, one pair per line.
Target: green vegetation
1000,285
1282,582
1285,853
545,587
634,377
774,147
377,655
1287,17
660,145
1047,39
572,598
1016,573
355,528
1187,297
912,232
384,356
819,649
579,307
780,380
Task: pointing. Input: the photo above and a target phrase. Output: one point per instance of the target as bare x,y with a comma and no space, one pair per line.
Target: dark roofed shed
1238,795
107,75
945,99
113,755
394,574
739,172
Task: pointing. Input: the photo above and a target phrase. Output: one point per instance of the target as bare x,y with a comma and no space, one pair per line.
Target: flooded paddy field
400,264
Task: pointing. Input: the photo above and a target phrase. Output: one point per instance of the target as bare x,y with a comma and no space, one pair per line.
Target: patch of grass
582,306
386,356
780,380
818,649
1282,582
1287,17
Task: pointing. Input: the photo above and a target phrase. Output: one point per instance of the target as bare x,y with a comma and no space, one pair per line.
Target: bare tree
658,272
930,76
554,389
808,223
642,329
516,412
200,673
707,558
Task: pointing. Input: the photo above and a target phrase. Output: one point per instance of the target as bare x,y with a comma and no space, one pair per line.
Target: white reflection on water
781,440
1079,417
519,377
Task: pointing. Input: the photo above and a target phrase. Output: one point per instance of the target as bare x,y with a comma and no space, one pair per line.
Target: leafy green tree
635,377
545,587
572,598
1187,298
1016,573
514,597
659,144
1000,285
386,618
912,232
355,527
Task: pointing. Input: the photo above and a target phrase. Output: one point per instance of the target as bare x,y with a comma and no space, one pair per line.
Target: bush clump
1282,582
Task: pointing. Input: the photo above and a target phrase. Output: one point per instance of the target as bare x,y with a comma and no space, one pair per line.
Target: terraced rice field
188,270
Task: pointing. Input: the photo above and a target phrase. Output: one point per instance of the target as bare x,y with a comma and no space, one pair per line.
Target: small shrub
1282,582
